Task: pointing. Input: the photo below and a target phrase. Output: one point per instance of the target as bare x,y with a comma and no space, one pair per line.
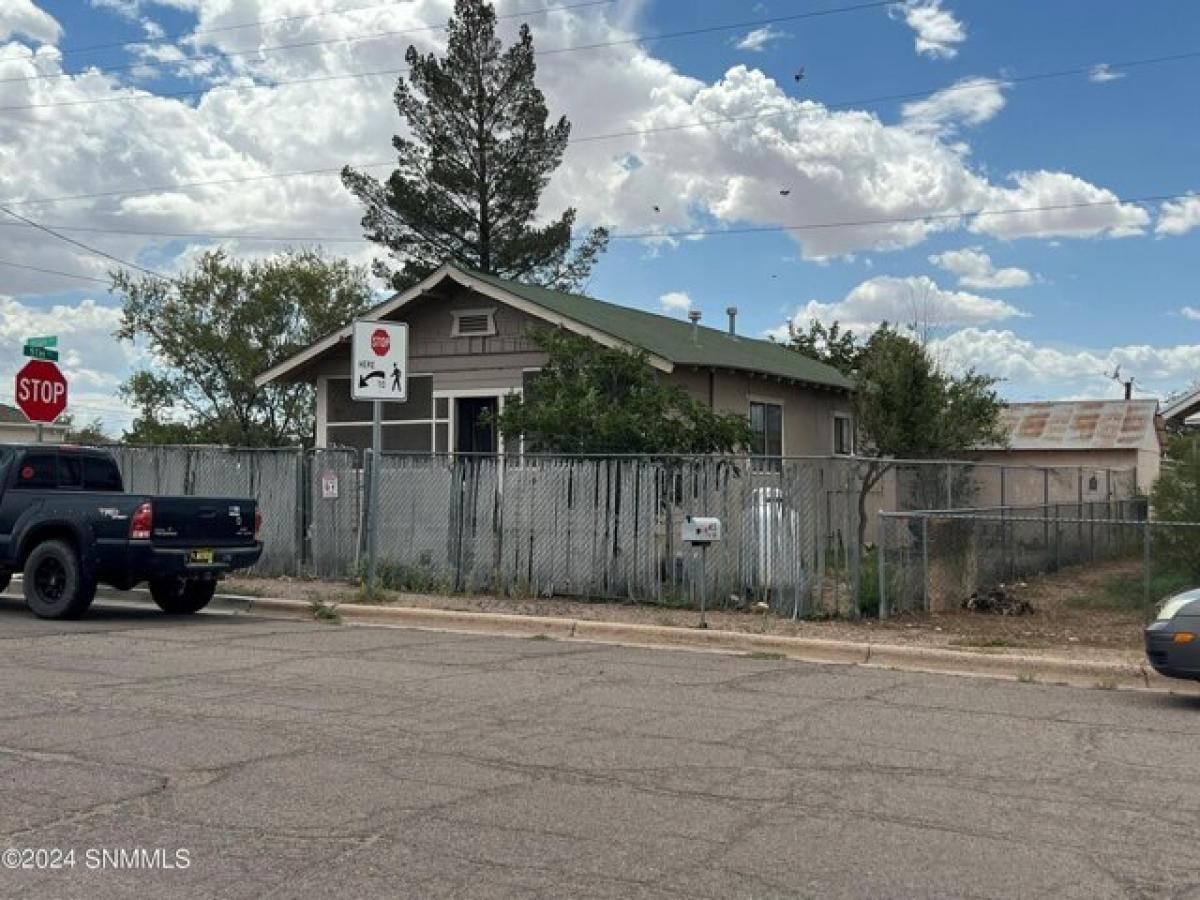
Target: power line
230,54
634,132
710,232
17,265
174,36
82,246
201,235
136,98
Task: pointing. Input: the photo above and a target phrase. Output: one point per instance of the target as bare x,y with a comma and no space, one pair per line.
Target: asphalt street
287,759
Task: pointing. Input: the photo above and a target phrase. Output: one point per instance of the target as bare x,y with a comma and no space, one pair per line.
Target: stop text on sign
32,391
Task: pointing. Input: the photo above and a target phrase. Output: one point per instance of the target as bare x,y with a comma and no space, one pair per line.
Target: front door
474,428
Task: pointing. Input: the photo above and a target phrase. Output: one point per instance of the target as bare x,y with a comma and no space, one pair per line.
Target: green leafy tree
906,406
213,329
471,175
1175,497
89,434
829,344
593,399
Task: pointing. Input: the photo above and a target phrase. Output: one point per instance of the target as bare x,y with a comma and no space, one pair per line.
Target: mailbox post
699,532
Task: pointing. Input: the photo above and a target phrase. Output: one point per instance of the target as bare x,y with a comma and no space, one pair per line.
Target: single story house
1091,434
470,347
16,429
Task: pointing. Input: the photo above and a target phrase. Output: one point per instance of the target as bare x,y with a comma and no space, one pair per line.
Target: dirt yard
1095,607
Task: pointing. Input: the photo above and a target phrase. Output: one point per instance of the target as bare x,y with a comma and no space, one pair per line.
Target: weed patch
326,613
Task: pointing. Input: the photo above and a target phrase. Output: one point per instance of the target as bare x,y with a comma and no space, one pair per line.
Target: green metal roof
672,339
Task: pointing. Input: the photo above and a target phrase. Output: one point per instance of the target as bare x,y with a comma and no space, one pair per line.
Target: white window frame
850,427
484,393
457,315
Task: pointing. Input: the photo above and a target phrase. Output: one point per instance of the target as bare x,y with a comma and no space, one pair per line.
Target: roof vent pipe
732,313
694,318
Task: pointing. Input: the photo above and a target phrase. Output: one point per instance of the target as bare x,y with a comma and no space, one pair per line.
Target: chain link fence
276,478
610,527
588,527
937,560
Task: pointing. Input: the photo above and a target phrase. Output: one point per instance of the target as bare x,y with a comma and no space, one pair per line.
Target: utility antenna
1115,375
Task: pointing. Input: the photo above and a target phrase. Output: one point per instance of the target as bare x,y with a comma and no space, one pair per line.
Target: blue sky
1047,301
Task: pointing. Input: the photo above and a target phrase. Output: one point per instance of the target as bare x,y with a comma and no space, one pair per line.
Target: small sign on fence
329,485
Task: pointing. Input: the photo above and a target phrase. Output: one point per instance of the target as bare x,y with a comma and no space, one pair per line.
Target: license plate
201,556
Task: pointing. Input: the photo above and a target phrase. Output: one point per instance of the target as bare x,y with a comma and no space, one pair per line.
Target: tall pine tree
471,174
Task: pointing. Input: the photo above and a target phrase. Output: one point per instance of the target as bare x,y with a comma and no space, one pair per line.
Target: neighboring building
469,347
1182,410
1094,434
16,429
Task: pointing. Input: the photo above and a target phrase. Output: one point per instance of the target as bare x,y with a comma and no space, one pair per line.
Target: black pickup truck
67,525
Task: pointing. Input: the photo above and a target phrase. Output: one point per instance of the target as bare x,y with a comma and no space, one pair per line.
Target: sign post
700,531
379,373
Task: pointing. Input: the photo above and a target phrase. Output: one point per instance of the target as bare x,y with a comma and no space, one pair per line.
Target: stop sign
381,343
41,391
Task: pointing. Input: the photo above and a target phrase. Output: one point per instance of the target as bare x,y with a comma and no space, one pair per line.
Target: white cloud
974,269
757,40
1101,73
1176,217
904,301
1060,205
970,101
21,17
937,31
1032,370
836,166
1190,312
675,301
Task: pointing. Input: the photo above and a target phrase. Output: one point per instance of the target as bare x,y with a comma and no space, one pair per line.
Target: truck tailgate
202,522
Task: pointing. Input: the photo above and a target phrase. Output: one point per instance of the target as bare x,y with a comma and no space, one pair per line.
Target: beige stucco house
16,429
469,348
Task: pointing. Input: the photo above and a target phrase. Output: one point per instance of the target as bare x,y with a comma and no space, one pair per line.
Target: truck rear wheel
181,597
55,584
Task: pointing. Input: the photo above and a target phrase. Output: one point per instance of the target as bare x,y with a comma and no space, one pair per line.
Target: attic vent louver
473,323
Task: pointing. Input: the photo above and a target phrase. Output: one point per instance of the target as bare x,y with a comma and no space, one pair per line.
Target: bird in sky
799,74
784,193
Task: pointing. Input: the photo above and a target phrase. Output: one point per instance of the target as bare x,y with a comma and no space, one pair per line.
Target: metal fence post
925,560
854,556
1057,536
880,556
1079,509
1045,507
1146,566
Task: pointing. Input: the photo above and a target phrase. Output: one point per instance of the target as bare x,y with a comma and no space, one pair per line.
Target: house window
843,435
766,445
473,323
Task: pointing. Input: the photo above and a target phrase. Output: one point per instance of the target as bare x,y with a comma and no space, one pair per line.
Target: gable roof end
667,342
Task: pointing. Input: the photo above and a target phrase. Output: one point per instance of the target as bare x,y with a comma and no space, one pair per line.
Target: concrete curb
1088,673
